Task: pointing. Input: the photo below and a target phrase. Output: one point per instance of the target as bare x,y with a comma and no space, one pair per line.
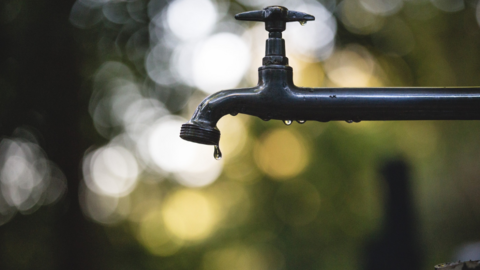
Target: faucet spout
270,99
202,127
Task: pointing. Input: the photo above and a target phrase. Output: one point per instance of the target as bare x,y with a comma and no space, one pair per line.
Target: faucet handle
275,17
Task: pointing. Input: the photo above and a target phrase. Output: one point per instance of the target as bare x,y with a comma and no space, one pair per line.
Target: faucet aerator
199,134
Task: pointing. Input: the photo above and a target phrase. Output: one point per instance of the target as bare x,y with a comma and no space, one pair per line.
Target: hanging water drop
303,22
217,154
287,122
349,121
301,121
265,119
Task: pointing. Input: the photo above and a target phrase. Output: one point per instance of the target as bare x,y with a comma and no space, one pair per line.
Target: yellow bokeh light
352,67
234,134
312,75
309,74
154,236
189,215
281,154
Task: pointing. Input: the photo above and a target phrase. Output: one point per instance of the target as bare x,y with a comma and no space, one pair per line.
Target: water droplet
265,119
349,121
303,22
287,122
301,121
233,113
217,154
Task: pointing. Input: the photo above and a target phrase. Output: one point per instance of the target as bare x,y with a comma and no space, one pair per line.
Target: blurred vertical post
397,246
39,60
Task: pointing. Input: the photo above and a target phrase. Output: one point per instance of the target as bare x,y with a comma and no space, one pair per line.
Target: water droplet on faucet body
217,154
287,122
301,121
349,121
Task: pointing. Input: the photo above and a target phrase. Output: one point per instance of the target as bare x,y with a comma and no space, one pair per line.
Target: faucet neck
275,50
276,77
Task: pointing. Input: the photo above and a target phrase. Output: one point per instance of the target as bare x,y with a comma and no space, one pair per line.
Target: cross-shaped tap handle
275,17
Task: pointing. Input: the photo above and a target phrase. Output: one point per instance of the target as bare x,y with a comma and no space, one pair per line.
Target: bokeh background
93,174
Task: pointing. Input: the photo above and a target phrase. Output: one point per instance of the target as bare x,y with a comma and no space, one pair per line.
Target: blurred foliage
300,197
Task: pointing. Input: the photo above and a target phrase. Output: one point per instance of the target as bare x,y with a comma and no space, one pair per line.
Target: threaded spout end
199,134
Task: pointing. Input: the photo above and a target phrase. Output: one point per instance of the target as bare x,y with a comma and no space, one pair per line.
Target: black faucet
276,96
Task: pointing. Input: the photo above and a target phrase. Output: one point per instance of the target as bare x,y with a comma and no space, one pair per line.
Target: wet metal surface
276,96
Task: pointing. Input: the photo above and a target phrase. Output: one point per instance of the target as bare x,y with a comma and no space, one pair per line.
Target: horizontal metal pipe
431,103
276,97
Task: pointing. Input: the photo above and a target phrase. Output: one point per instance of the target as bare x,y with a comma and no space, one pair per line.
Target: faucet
277,97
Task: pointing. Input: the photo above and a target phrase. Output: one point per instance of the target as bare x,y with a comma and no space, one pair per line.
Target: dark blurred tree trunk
40,68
